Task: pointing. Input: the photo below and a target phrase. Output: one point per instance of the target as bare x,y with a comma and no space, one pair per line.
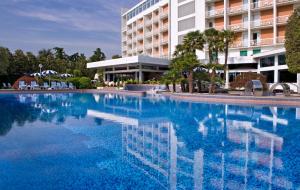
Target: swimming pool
108,141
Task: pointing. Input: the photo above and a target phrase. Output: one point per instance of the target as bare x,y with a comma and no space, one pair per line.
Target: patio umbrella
36,75
49,73
66,75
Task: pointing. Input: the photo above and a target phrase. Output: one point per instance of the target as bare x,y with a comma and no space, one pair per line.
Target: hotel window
267,61
186,24
256,51
186,9
269,75
243,53
281,60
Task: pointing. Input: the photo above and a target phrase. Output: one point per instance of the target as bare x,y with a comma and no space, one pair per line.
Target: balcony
164,15
237,9
262,42
140,48
148,34
148,22
238,44
282,19
129,30
262,4
155,19
279,2
140,26
238,27
148,46
155,31
215,13
280,39
164,28
262,23
140,37
156,43
164,41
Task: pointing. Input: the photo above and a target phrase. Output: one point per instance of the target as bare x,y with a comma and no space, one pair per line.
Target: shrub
84,83
75,81
77,73
242,79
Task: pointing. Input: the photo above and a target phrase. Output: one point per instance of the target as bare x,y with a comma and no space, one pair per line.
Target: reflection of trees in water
51,108
12,111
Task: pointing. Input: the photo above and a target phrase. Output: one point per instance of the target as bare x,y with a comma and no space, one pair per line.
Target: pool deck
217,98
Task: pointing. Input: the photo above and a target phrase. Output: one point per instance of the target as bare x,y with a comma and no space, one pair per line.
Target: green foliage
97,56
84,83
75,81
116,56
292,43
4,61
77,73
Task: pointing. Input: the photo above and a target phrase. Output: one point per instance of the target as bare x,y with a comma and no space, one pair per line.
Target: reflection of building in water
248,157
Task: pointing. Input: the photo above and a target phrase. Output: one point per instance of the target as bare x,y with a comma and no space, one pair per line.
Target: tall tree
116,56
46,58
97,56
4,60
20,63
228,37
292,44
33,65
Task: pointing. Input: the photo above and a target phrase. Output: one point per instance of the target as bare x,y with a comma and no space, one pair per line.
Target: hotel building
151,30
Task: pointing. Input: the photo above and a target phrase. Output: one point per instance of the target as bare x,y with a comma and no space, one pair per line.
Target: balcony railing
238,27
139,37
148,34
155,19
280,39
164,41
238,44
140,48
139,25
164,14
148,22
286,1
217,12
155,31
261,4
261,23
237,9
164,28
148,46
156,43
282,19
262,42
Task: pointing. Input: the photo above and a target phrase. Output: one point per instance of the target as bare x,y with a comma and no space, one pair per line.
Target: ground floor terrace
139,68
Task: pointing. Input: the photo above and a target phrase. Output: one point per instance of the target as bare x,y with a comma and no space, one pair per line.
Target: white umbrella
66,75
49,73
36,75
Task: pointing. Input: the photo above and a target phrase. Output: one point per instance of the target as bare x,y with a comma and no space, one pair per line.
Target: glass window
243,53
267,61
256,51
286,76
269,75
281,60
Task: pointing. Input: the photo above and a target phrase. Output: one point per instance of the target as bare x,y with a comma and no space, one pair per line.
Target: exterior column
276,73
136,76
227,79
274,22
298,82
140,74
104,76
249,23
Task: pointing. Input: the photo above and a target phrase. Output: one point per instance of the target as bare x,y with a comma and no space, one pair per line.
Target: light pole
40,66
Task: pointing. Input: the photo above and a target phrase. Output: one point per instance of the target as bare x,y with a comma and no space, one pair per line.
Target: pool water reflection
94,141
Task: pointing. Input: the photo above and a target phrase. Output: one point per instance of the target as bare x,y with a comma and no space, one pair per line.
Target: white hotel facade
151,30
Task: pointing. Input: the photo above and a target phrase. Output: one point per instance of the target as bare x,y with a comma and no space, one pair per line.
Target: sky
76,25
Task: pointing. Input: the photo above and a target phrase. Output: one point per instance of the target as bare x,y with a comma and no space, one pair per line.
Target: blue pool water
93,141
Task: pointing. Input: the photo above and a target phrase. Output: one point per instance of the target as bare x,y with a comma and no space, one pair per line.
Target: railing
155,31
140,37
140,48
155,19
164,15
286,1
148,22
129,41
262,23
148,34
217,12
164,28
140,25
148,46
156,43
238,27
282,19
129,30
261,4
280,39
237,9
164,41
238,44
262,42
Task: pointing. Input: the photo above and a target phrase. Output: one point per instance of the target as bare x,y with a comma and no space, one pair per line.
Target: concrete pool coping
216,98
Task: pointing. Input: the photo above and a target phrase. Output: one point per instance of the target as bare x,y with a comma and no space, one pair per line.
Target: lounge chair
64,85
71,86
53,85
9,85
4,85
45,86
58,85
34,85
22,85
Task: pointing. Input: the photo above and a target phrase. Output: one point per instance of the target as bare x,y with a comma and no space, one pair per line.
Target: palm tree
185,55
228,37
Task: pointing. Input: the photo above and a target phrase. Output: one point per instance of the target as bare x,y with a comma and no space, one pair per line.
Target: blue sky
76,25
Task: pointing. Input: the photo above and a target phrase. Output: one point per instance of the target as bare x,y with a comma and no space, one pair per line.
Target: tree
228,37
116,56
20,63
33,65
46,58
185,58
292,44
97,56
4,61
172,76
